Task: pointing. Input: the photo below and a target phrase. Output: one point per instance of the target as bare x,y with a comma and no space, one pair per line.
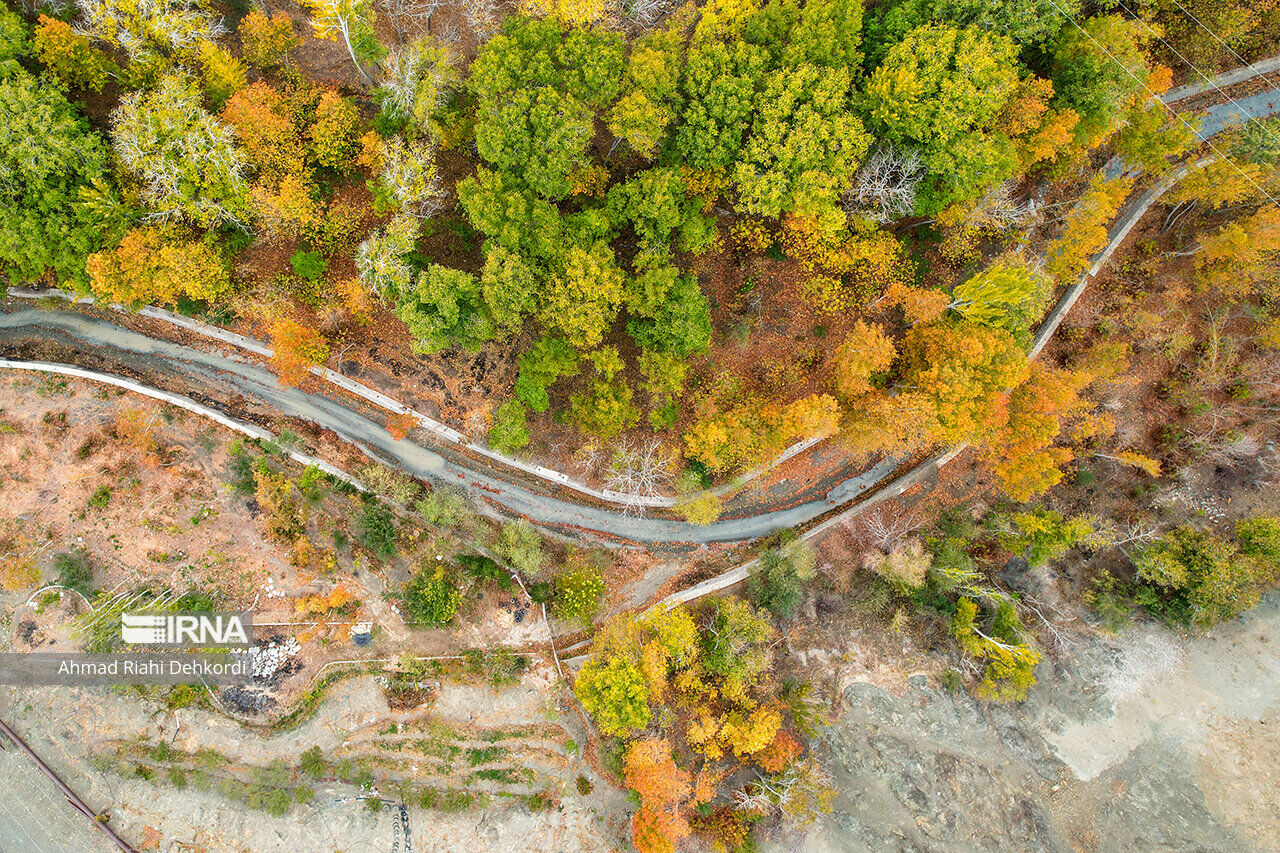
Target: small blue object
362,639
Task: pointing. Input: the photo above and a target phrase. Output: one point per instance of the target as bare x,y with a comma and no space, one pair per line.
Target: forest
678,238
718,229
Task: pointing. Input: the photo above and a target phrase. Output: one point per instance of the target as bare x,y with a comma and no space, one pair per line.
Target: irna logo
186,629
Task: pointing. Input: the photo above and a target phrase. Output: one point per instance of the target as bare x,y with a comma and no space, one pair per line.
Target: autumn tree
380,257
68,57
966,371
47,156
295,348
1021,453
185,162
267,41
157,266
1085,229
865,352
664,789
149,29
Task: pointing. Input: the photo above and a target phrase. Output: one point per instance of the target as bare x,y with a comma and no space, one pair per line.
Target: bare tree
416,80
642,14
884,189
1142,663
999,211
638,472
884,532
409,16
481,17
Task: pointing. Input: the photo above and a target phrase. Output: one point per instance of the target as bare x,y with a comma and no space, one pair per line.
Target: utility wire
1247,115
1172,111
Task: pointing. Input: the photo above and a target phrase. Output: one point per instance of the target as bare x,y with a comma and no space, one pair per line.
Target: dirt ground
141,490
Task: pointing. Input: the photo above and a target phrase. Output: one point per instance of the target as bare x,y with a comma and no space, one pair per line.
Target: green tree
512,216
719,88
538,135
578,592
605,409
1097,68
1029,23
509,287
549,359
681,324
615,694
775,584
655,203
1041,535
940,82
583,296
804,144
444,309
184,161
509,431
645,110
1193,577
1151,136
735,645
520,544
47,157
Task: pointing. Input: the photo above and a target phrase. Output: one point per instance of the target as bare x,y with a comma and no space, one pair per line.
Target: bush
378,531
578,592
313,764
484,570
520,544
431,597
75,572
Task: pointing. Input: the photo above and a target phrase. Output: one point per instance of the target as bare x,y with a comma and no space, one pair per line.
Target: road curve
234,376
145,353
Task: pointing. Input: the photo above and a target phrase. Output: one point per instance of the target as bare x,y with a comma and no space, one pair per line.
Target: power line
1248,65
1248,115
1172,111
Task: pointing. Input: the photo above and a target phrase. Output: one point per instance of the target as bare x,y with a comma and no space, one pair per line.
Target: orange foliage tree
296,347
1021,454
865,352
966,371
650,770
1085,230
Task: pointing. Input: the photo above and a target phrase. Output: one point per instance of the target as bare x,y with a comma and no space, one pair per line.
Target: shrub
75,572
578,592
100,498
312,763
308,265
431,597
378,531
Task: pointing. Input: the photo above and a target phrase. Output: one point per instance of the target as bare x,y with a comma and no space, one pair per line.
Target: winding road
228,376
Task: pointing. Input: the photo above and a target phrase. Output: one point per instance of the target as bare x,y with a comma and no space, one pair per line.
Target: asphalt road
255,383
228,376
